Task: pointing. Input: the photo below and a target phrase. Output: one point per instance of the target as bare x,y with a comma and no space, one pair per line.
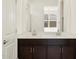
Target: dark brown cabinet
46,49
39,52
54,52
68,53
36,52
25,52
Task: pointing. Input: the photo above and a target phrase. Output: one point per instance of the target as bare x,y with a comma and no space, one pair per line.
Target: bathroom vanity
39,29
46,48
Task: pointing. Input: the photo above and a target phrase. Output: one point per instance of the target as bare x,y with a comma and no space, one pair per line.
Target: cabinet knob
4,42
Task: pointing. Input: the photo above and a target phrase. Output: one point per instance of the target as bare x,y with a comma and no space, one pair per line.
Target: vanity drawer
32,42
48,42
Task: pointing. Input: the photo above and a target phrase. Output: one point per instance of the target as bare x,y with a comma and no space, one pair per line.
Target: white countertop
29,35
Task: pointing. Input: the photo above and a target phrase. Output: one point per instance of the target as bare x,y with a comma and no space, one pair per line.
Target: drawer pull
31,50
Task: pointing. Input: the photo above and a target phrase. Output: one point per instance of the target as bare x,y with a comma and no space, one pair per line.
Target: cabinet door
54,52
25,52
10,47
69,53
9,51
39,52
9,30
